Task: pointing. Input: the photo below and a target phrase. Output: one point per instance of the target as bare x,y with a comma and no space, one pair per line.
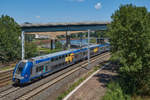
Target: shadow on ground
107,74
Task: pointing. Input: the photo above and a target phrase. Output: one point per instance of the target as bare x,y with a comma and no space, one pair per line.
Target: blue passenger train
30,69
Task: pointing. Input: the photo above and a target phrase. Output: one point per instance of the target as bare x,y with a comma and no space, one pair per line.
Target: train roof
52,54
48,56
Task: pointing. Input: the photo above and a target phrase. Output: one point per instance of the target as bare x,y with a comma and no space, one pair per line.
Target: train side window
36,69
59,57
46,67
56,65
84,53
56,58
39,69
52,59
76,56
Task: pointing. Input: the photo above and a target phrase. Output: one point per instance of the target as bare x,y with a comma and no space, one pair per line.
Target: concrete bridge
53,27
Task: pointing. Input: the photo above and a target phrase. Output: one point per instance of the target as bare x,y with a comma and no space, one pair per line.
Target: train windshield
20,67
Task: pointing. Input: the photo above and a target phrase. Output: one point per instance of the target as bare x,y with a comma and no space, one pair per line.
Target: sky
60,11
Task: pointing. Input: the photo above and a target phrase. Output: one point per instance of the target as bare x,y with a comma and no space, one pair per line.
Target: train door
44,68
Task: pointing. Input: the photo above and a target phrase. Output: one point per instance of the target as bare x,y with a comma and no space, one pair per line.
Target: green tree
129,33
9,39
30,50
58,45
29,37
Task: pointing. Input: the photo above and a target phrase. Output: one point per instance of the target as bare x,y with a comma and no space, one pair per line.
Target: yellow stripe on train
69,58
96,49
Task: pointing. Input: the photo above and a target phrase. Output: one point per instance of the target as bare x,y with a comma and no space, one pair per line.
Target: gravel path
95,88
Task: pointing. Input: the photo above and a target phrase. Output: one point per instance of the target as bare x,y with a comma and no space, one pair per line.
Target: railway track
48,84
5,77
27,92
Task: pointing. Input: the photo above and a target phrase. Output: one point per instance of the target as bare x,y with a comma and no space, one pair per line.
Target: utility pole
22,41
88,48
80,40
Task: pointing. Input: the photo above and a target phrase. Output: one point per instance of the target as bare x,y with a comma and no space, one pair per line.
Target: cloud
98,6
37,16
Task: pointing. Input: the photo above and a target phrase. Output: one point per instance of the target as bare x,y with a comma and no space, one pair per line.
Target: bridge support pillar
52,44
68,39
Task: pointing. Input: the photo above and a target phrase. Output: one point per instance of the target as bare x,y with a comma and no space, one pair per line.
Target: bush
115,92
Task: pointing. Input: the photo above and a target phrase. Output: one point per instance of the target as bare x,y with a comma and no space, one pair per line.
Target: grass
115,92
7,67
74,85
70,88
93,40
140,98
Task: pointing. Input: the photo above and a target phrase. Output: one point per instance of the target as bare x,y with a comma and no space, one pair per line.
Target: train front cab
22,71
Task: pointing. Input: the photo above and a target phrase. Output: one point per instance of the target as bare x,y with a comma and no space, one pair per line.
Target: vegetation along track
28,93
5,77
